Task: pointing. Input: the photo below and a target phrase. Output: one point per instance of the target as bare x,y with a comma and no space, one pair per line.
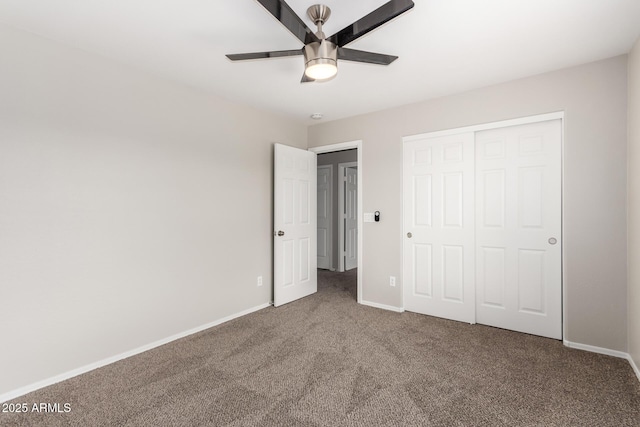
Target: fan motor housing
324,52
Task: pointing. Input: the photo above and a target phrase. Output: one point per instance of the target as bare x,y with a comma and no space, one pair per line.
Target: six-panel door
295,219
518,228
438,227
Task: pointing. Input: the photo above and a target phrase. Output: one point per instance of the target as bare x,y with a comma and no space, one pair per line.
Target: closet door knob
553,240
409,235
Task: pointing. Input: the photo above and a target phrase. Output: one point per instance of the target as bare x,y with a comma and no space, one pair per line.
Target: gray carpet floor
327,361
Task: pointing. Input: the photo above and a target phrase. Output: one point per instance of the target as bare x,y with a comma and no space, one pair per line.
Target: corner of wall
633,206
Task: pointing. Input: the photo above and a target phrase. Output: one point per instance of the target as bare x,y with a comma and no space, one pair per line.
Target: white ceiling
445,46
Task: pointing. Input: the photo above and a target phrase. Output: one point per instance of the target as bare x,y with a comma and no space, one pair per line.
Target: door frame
330,148
341,173
501,124
331,207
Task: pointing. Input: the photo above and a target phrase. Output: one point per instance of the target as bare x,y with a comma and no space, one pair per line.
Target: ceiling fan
321,53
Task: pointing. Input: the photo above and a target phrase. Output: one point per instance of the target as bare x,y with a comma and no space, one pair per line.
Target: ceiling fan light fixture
321,69
321,60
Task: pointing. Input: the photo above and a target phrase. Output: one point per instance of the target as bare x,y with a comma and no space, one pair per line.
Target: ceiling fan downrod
319,14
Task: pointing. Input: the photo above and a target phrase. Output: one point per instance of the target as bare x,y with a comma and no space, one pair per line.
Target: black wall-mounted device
376,216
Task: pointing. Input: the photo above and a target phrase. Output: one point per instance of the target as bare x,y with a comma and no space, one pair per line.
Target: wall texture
634,203
594,99
131,208
333,159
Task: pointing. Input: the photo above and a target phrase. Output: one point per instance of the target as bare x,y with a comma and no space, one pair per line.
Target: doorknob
280,233
409,235
553,241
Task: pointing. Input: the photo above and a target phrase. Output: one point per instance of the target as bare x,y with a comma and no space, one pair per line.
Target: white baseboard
382,306
634,366
594,349
90,367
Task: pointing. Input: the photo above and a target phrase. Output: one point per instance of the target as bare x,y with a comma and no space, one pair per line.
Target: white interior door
325,215
518,228
295,273
351,218
438,248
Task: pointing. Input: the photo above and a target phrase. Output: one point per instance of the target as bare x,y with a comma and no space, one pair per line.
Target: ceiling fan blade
362,26
362,56
263,55
283,13
306,79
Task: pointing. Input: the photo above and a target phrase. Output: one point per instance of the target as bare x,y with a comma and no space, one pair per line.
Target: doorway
341,159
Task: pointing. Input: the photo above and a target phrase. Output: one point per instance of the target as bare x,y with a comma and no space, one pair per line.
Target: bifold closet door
438,266
518,228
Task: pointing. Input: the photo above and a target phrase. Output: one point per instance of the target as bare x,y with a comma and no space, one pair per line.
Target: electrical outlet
392,281
259,280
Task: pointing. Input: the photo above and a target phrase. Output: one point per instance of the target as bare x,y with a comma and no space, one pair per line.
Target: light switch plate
369,217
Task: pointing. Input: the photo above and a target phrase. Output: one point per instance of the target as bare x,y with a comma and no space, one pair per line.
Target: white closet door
438,246
518,228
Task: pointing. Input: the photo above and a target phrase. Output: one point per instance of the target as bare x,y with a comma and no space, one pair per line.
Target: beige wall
593,97
634,203
334,159
131,209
